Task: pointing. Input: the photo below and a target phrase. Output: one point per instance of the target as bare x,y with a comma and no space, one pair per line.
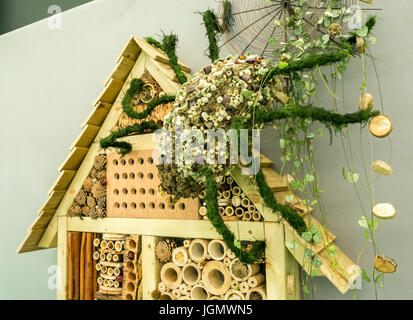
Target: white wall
49,79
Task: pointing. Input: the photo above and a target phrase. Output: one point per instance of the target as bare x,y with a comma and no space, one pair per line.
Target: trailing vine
212,31
257,250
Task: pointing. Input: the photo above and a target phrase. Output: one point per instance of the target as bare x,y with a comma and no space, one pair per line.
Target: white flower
219,99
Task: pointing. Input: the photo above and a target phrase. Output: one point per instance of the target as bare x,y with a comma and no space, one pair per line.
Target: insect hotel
119,238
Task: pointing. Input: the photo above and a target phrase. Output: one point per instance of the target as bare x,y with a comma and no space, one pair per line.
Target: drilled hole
116,191
116,176
131,161
125,191
124,205
140,161
150,176
115,162
131,276
161,206
117,205
123,162
140,175
131,175
125,175
142,191
133,191
182,206
150,160
152,191
171,206
142,205
133,205
151,205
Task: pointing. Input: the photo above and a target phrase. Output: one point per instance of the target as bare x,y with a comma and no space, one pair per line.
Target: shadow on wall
15,14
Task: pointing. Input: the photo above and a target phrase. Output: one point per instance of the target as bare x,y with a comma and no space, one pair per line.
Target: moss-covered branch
125,147
212,31
257,249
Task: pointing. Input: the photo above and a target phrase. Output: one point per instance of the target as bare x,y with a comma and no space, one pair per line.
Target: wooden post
275,255
61,289
293,271
70,277
150,266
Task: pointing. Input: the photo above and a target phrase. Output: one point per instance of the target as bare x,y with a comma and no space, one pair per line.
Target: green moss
212,31
226,16
257,249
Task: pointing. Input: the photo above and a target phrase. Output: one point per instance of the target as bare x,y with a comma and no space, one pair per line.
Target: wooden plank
86,137
170,87
62,259
265,162
293,271
274,180
53,200
98,114
131,50
121,71
49,238
140,142
150,267
110,92
296,203
158,54
63,181
249,231
168,71
30,241
42,221
74,159
275,257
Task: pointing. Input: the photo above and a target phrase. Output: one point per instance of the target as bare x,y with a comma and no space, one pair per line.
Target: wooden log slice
381,167
385,264
380,126
384,211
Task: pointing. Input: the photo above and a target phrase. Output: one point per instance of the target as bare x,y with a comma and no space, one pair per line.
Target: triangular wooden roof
42,233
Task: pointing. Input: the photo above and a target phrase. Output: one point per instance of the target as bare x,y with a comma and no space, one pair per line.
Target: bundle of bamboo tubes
233,204
208,270
109,257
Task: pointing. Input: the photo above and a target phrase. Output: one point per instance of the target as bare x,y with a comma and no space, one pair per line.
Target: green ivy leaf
307,236
363,222
289,198
363,31
314,272
247,93
292,245
317,238
365,276
317,262
237,244
282,65
332,249
309,178
366,234
308,254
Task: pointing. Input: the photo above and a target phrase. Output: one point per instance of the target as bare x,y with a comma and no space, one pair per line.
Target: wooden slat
265,162
63,181
98,114
121,70
157,54
167,85
74,159
30,241
274,180
53,200
168,71
140,142
86,137
296,203
275,257
151,267
130,51
42,221
167,228
110,92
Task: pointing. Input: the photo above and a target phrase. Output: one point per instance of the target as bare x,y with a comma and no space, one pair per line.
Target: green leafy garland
257,249
226,16
168,45
212,31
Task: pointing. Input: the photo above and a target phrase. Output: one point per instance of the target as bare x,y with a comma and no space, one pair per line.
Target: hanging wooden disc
385,264
380,126
381,167
384,211
366,101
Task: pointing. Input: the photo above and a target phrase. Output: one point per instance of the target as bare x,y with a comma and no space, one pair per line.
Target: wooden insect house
118,237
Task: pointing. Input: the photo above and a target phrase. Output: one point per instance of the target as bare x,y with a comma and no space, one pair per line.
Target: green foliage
257,249
286,212
125,147
212,31
168,45
226,16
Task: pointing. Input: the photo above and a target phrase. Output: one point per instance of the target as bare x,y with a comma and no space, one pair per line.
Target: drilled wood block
133,190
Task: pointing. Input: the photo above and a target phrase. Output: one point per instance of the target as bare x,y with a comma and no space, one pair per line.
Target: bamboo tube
239,212
176,293
182,289
216,277
226,194
161,287
223,202
256,216
82,267
115,258
198,250
96,242
98,267
89,267
96,255
219,194
103,244
230,254
242,271
243,287
171,275
166,296
116,284
102,257
110,283
106,282
245,202
259,293
180,256
77,239
70,279
256,280
109,257
229,211
118,246
199,292
103,269
251,208
227,261
236,201
217,249
235,284
94,271
246,216
100,281
236,191
111,245
202,211
230,180
116,271
187,243
234,295
191,274
221,211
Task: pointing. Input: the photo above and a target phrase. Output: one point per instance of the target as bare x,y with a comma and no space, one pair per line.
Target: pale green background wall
49,79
